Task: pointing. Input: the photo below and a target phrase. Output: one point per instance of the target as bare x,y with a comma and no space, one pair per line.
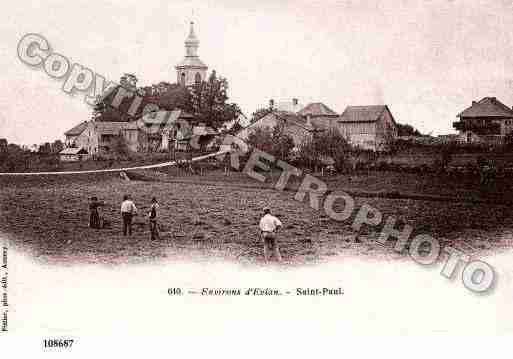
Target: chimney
294,101
271,103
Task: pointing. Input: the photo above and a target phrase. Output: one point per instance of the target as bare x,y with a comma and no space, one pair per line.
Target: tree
208,102
323,146
3,145
407,130
164,95
45,148
56,146
261,138
129,81
167,96
103,109
272,141
282,143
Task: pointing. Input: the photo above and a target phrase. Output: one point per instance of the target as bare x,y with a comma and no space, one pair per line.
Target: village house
95,138
319,115
154,132
299,122
368,127
293,105
299,128
485,121
74,138
166,130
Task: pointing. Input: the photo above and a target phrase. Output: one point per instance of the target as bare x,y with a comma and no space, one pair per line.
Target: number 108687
58,343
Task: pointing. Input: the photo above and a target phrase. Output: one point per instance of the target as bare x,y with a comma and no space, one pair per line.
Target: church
99,137
191,69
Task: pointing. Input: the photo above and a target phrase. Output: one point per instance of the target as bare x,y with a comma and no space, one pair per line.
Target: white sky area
427,60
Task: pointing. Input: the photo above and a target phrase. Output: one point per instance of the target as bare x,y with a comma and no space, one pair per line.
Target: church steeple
191,69
191,43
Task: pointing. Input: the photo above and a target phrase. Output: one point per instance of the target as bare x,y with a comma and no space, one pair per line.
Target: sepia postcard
250,179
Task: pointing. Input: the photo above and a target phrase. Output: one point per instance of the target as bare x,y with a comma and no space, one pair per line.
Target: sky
427,60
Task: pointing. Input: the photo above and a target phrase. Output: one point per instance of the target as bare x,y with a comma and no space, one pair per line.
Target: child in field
152,215
128,210
269,226
94,217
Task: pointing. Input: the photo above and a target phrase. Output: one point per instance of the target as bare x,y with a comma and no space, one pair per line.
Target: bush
323,148
274,142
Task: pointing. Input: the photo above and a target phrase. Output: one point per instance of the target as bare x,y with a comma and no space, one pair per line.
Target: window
197,78
469,137
182,79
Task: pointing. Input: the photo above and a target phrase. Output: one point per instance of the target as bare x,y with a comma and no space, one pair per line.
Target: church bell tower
191,70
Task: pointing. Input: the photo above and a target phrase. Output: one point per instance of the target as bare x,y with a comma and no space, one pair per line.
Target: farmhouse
157,131
172,129
297,127
319,115
485,121
368,127
73,136
299,123
99,138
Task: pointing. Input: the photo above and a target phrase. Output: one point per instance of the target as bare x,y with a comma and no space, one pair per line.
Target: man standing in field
269,225
128,210
152,216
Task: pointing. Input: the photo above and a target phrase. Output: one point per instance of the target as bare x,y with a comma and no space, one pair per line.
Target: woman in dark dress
94,218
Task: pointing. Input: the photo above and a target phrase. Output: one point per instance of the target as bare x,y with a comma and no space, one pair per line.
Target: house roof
362,113
487,107
315,109
291,119
286,116
73,151
294,119
77,130
161,117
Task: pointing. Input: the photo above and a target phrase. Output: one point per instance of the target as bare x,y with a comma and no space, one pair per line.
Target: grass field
217,216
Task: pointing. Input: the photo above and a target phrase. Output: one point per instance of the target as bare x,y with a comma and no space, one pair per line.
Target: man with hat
269,225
